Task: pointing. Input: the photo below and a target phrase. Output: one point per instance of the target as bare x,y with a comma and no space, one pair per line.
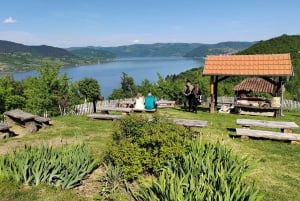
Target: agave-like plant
65,166
206,172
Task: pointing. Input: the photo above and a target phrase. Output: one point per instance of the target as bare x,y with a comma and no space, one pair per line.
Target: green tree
11,93
127,90
43,92
127,85
90,89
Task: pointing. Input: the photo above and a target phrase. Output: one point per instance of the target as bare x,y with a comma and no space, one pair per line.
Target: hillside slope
282,44
219,48
18,57
152,50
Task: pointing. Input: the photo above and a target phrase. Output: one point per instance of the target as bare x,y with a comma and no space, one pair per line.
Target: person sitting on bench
150,102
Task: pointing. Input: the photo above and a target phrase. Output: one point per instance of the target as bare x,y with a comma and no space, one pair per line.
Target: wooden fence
87,108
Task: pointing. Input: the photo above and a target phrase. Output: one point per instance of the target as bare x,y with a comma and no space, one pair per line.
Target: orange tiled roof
255,84
261,65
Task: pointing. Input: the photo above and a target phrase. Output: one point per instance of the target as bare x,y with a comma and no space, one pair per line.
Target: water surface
109,74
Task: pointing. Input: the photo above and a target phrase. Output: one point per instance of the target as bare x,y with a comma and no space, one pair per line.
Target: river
109,74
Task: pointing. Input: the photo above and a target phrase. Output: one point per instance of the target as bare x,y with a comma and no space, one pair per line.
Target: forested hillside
219,48
173,49
93,54
282,44
19,57
152,50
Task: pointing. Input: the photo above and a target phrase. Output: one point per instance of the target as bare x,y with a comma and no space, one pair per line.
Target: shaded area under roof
254,65
256,85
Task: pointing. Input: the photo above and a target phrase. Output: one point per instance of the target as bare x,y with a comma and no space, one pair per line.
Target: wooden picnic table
4,131
126,103
286,127
165,104
29,122
190,123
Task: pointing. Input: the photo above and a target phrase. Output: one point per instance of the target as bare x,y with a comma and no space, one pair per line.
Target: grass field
277,169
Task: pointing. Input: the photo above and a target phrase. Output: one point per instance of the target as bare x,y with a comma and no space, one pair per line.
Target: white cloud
9,20
136,41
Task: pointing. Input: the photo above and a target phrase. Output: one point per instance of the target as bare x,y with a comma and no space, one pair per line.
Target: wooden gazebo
271,67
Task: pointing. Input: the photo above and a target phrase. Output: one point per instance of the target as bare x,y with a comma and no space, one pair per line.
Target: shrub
65,166
143,146
206,172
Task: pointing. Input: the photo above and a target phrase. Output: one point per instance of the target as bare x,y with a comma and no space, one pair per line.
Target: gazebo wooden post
216,92
212,94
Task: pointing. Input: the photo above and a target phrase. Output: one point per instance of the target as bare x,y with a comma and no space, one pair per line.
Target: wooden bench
126,103
143,110
245,133
165,104
4,131
24,122
285,133
190,123
286,127
105,116
106,110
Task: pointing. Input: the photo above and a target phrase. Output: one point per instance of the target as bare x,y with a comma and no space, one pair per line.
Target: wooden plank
267,134
190,123
3,127
105,116
41,119
266,114
19,114
165,104
143,110
268,124
117,109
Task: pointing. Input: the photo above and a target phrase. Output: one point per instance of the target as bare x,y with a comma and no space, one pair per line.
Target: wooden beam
267,134
212,95
216,93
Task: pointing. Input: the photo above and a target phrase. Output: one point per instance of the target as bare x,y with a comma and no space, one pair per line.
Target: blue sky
69,23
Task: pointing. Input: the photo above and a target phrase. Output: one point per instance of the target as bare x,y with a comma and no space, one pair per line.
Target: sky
77,23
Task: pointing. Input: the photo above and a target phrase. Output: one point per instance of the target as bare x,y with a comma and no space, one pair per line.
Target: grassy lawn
277,169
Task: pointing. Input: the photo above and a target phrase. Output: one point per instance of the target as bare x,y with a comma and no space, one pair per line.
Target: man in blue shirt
150,102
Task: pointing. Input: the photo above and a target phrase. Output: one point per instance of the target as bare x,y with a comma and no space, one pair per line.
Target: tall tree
90,88
127,90
127,85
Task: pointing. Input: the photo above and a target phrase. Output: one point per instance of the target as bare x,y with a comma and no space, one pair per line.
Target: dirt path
11,145
90,187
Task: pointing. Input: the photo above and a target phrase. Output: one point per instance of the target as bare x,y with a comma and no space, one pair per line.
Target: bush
143,146
206,172
64,167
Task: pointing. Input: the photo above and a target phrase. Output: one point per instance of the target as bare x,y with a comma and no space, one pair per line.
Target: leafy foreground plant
113,185
207,172
65,166
143,146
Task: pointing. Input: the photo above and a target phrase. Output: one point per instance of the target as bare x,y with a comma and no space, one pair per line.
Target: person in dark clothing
187,95
196,98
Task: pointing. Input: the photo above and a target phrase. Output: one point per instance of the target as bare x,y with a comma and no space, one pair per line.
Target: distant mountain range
173,49
19,57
